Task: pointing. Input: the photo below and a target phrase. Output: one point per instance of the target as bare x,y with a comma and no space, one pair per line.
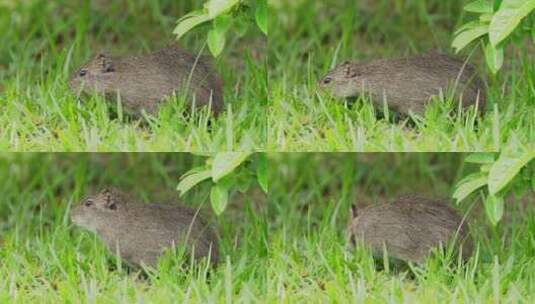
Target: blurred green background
309,38
286,247
44,258
43,42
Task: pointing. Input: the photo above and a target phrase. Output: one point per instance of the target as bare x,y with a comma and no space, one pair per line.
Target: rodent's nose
76,87
74,215
72,85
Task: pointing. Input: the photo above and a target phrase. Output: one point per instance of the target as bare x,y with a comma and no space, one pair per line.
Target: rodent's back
409,227
408,83
167,70
160,225
415,79
194,71
142,232
143,81
451,68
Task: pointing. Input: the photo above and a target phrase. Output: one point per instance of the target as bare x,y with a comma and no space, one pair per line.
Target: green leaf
219,198
507,18
218,7
262,172
485,18
244,183
494,58
485,168
464,38
467,26
480,158
192,178
261,16
468,185
204,154
216,41
223,22
226,162
494,208
479,6
505,169
241,25
189,21
216,36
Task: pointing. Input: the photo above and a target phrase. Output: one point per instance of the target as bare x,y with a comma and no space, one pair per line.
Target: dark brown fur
407,83
409,228
142,232
144,81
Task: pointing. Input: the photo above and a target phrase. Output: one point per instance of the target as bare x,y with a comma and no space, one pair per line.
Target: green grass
308,38
42,42
309,199
46,259
288,250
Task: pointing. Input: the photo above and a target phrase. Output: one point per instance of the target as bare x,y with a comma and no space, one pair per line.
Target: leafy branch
228,171
223,15
496,178
494,26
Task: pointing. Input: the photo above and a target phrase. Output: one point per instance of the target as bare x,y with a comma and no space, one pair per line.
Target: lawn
43,42
44,258
288,249
308,205
311,37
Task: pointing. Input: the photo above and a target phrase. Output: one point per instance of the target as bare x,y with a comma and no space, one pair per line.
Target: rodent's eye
89,202
82,73
327,80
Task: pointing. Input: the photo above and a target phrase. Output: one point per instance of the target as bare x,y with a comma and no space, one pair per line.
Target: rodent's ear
106,192
112,205
109,201
105,63
350,72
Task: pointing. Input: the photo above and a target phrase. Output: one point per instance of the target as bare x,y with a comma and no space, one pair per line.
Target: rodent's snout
76,86
75,214
73,85
78,214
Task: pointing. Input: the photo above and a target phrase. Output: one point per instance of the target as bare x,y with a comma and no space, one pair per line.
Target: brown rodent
144,81
409,228
407,84
142,232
